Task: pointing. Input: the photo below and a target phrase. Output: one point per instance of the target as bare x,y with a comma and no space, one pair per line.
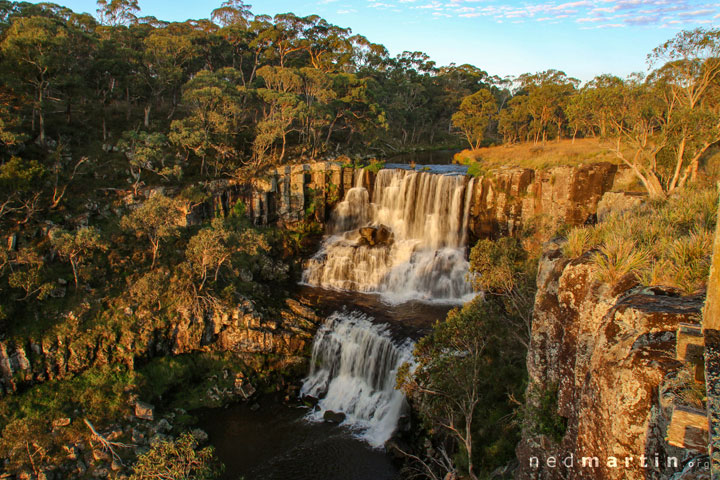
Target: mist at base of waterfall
353,371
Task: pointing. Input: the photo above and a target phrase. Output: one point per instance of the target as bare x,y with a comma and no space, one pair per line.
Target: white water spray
354,365
425,260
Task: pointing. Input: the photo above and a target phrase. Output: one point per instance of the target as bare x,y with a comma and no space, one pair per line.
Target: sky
583,38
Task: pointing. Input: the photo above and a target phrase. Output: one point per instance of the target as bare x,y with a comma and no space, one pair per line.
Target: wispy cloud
598,13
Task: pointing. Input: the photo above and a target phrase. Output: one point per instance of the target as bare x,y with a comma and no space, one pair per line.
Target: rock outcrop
502,203
609,353
72,348
510,199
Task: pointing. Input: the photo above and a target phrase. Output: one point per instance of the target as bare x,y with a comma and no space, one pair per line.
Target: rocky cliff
502,202
607,356
126,336
509,199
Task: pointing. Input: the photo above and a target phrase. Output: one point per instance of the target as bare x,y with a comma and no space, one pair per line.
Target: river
389,267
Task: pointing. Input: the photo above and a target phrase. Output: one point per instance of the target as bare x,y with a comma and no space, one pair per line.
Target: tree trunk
74,269
147,116
41,117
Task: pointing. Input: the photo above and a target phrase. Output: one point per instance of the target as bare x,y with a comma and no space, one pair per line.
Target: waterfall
406,243
354,367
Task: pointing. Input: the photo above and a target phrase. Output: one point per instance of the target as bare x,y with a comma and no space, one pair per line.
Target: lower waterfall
353,370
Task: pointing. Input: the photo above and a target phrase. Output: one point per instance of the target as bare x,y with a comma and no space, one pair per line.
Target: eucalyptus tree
474,116
209,131
34,49
662,126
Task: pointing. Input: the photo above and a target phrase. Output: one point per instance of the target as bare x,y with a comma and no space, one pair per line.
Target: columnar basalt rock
509,199
609,350
503,202
241,330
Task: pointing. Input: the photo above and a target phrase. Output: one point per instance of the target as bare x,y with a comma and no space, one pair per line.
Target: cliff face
283,195
610,352
502,203
72,348
510,199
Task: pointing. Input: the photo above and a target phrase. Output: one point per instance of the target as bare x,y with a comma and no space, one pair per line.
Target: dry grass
666,242
538,156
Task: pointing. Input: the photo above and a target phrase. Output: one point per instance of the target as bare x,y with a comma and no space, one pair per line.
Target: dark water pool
275,442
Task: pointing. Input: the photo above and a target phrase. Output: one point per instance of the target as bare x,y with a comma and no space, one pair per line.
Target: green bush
541,412
178,459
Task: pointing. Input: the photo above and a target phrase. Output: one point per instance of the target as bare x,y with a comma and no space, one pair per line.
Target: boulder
310,401
201,437
144,410
380,235
333,417
164,426
61,422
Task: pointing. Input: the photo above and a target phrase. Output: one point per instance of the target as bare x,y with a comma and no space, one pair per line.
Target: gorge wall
502,202
71,347
610,354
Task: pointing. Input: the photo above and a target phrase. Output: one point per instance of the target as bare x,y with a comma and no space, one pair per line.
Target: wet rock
380,235
333,417
144,410
310,400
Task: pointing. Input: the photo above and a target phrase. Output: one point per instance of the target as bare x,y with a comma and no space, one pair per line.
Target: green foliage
474,116
662,242
19,174
77,246
375,165
467,370
184,381
541,412
178,459
157,218
25,419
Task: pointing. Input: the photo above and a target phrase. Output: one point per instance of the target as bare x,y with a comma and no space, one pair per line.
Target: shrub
178,459
662,242
618,257
541,413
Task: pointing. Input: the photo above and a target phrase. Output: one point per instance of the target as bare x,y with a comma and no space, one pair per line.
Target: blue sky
581,37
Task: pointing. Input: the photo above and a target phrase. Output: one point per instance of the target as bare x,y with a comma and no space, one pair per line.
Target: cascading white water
354,365
424,259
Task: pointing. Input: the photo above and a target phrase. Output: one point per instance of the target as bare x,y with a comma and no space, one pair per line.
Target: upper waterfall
407,242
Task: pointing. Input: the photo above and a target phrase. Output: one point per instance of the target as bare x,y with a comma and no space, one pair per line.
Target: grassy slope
539,156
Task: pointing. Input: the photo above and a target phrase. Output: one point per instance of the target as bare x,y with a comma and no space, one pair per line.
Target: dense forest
113,127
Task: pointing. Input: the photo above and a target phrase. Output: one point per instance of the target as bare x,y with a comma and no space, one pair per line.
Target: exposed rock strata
241,330
502,202
610,351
